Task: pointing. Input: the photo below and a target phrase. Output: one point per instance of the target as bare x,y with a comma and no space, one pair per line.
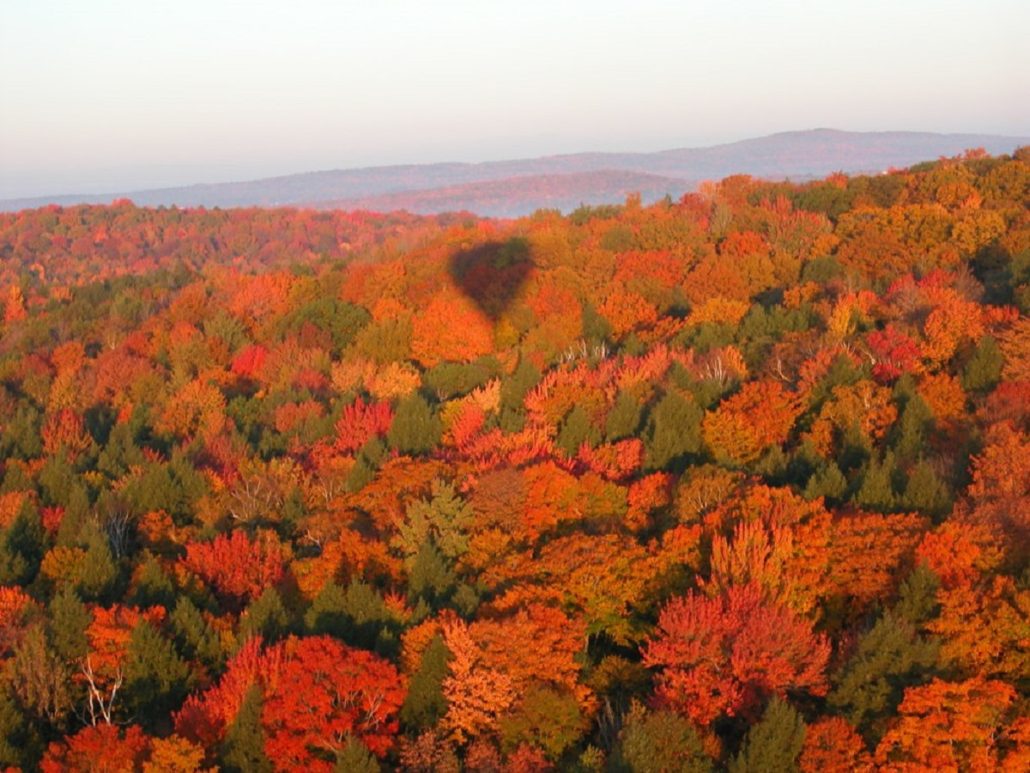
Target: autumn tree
951,725
728,655
326,692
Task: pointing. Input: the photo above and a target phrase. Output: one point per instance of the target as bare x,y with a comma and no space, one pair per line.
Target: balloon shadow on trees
491,275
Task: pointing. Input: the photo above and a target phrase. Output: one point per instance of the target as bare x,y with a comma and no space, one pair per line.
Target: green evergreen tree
20,744
889,657
925,492
121,452
156,678
355,757
576,429
673,431
366,464
445,519
773,743
68,621
658,741
828,482
983,369
195,637
59,483
623,419
513,391
77,513
430,573
596,329
425,704
909,436
917,596
152,586
21,437
358,614
877,489
243,750
416,428
21,547
98,573
266,617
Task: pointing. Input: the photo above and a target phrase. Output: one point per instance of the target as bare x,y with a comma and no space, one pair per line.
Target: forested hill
519,187
737,480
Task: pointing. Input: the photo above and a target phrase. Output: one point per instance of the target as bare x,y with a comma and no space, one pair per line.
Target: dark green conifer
244,748
673,431
266,617
69,619
828,482
877,489
925,492
983,369
513,392
416,427
152,586
355,757
425,703
889,657
658,741
195,637
773,743
575,430
623,419
156,678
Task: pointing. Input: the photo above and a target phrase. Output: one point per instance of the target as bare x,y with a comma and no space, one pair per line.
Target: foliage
288,489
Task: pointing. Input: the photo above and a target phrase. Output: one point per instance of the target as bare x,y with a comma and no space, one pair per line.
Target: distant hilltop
517,187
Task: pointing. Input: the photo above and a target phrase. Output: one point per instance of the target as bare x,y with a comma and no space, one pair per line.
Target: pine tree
889,657
69,619
21,547
357,614
657,742
98,572
925,492
425,704
416,427
244,748
623,419
266,617
983,370
513,392
917,596
828,482
152,586
430,574
909,437
355,757
195,637
366,464
673,431
877,489
21,435
156,678
19,738
773,743
577,429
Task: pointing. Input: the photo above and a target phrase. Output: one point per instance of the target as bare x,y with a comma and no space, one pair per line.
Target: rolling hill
516,187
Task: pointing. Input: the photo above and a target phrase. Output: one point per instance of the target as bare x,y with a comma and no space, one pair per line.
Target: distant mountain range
512,188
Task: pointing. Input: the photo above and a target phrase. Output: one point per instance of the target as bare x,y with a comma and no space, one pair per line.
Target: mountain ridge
589,177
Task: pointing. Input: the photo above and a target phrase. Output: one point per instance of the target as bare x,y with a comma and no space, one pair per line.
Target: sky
112,95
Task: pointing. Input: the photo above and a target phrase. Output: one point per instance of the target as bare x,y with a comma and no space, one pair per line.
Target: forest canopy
739,481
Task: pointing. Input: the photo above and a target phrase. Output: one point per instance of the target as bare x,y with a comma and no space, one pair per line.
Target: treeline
738,481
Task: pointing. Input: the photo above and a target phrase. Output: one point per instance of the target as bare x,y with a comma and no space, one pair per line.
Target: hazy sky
106,95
